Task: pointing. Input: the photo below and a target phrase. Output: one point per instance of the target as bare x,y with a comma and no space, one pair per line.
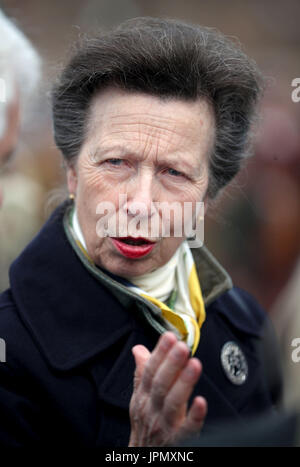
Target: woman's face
150,151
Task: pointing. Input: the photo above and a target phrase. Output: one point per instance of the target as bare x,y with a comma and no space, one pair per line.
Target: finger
167,373
141,355
162,348
195,418
178,396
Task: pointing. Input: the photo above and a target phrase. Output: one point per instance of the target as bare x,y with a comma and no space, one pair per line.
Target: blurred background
254,228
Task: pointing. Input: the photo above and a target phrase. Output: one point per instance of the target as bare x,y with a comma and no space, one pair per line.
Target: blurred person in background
161,111
19,195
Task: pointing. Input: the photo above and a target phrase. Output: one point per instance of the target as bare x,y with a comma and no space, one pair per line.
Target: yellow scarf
184,309
174,288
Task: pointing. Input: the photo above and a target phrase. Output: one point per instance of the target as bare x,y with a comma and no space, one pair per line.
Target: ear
72,178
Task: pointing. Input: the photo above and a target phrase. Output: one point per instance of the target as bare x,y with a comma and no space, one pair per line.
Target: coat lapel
71,316
116,386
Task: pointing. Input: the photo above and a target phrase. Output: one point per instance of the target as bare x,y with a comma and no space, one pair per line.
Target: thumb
141,355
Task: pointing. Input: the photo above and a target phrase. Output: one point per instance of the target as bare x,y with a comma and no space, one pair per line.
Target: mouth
133,247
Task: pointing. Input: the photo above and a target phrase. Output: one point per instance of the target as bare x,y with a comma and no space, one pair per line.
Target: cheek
196,192
91,182
189,191
93,187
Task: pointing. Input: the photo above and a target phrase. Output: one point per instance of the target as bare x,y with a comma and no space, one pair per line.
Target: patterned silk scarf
174,288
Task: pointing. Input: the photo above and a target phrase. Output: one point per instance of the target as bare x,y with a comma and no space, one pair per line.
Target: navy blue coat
67,379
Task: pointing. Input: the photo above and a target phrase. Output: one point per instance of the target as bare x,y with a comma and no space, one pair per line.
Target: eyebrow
100,153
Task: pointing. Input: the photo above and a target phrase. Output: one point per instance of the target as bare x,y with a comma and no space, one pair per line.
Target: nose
140,195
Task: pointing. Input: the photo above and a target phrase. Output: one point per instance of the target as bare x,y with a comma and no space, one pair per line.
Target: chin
129,268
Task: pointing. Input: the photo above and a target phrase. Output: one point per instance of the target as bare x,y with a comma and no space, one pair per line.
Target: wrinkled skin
149,149
163,384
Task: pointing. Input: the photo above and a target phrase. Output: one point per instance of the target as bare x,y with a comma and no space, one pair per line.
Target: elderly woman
153,112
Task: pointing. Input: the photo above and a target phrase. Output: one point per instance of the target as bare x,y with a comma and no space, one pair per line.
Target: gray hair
19,68
164,58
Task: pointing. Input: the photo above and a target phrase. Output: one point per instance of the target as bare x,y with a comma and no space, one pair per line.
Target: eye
115,161
174,173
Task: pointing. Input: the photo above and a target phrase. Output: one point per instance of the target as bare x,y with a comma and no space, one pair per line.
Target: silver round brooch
234,363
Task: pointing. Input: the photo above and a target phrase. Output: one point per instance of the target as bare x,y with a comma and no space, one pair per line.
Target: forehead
120,116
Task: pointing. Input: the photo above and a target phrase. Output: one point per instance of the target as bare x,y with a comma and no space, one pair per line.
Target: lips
133,247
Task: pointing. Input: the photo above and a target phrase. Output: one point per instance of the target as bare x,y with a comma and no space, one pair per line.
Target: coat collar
213,278
70,314
67,311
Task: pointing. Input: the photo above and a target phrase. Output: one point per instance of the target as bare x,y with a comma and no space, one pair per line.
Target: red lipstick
133,247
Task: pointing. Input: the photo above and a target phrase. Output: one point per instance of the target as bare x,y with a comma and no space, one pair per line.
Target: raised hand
163,383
